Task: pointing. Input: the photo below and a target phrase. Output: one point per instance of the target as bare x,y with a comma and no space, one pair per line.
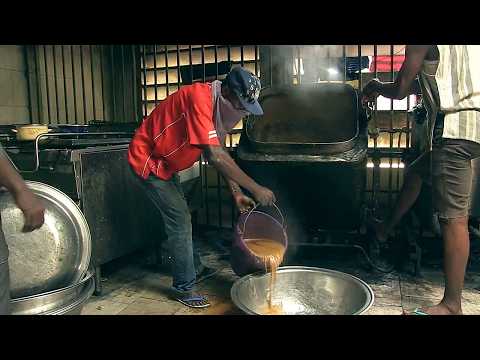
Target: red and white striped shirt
169,138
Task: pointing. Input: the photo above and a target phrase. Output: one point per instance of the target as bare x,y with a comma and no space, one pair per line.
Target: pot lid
54,256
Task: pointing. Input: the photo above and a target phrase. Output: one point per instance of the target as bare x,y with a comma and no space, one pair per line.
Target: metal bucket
255,224
304,291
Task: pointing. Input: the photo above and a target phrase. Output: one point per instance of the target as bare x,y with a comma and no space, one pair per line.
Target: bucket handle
256,206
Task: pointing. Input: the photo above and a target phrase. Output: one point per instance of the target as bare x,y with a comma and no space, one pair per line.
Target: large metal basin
304,291
56,255
65,301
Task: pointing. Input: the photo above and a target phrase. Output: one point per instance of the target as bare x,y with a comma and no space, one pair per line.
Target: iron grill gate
165,68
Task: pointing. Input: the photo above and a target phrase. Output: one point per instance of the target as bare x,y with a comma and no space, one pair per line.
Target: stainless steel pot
65,301
304,291
30,132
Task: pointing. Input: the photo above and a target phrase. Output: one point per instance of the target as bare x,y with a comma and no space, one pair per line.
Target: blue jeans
4,276
169,199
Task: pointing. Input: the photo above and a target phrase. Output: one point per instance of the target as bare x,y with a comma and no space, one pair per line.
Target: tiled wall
75,84
14,107
83,83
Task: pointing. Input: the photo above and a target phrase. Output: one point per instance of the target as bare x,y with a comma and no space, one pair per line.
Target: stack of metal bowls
49,267
300,290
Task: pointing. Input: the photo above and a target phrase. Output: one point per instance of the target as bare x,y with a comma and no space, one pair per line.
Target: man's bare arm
222,161
405,83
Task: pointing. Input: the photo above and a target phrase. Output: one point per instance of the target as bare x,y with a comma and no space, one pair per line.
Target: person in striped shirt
449,79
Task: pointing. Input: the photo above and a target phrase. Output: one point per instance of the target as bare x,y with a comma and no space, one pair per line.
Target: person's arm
405,82
25,199
242,201
225,165
202,133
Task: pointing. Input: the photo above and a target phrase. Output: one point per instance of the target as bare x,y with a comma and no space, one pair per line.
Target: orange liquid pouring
271,252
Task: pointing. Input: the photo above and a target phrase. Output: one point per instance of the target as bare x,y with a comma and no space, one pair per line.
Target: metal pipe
374,119
166,72
93,82
37,160
299,79
271,65
73,84
136,85
155,82
233,208
360,67
219,190
179,75
84,96
56,82
390,181
46,82
203,161
219,199
256,60
344,51
27,74
203,62
124,88
145,99
375,102
407,136
329,60
64,84
191,61
242,62
388,269
114,97
37,77
215,50
102,82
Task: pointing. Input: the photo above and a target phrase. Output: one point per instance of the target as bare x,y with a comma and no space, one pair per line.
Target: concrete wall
14,107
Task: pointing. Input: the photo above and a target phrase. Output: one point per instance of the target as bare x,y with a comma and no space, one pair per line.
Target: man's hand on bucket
243,202
264,196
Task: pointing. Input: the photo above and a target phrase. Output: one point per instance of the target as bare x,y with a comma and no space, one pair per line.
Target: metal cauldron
304,291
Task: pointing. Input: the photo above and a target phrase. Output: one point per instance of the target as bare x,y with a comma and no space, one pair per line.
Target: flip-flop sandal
205,274
417,311
193,301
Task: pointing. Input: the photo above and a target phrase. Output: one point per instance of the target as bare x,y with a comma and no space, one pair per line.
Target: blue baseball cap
247,87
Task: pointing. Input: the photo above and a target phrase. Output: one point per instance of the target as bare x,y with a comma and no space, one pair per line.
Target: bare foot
440,309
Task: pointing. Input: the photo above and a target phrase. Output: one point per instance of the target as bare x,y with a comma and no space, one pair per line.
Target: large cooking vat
319,174
314,119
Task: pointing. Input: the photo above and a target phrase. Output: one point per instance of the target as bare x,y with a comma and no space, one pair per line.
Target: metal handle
253,209
44,135
4,153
